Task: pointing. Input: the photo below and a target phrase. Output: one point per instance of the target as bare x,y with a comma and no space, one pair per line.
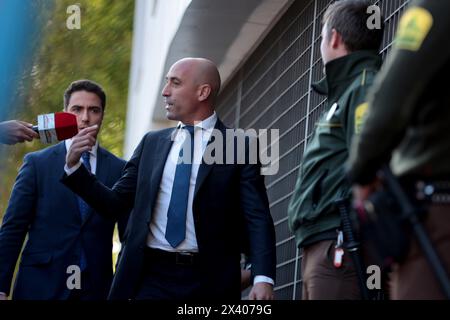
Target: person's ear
335,39
204,92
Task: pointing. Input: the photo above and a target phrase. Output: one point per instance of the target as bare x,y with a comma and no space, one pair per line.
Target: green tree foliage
99,50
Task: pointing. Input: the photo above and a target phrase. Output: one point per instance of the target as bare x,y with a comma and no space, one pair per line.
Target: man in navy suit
183,240
68,254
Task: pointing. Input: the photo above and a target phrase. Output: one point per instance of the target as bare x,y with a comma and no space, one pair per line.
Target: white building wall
155,24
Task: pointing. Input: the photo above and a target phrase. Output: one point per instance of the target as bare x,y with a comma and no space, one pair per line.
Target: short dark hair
85,85
349,19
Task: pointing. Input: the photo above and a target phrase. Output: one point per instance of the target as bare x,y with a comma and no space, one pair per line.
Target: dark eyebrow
172,79
78,106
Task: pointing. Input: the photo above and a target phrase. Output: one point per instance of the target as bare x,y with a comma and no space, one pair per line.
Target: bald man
183,240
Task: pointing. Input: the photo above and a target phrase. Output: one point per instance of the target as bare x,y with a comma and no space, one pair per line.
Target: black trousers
168,276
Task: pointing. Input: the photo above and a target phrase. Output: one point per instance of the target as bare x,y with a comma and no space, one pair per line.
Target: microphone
54,127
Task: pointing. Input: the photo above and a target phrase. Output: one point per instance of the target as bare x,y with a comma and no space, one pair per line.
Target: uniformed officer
349,52
408,122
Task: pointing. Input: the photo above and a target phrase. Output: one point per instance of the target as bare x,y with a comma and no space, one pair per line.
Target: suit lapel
102,165
161,152
101,172
66,195
205,169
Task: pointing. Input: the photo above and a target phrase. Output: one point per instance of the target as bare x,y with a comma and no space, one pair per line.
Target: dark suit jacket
48,212
225,195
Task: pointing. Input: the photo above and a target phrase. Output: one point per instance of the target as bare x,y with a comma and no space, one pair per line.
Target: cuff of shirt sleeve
263,279
69,171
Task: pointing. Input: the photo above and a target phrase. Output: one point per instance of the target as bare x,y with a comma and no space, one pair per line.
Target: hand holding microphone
15,131
82,142
51,128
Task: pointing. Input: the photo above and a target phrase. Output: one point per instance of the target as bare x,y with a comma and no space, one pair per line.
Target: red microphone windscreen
65,125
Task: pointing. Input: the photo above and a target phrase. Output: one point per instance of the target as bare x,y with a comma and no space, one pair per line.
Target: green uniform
321,179
409,109
409,123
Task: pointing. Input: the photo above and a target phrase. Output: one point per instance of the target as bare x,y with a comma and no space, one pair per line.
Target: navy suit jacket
225,195
43,208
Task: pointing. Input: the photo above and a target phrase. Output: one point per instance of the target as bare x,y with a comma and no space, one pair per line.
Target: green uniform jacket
409,108
322,179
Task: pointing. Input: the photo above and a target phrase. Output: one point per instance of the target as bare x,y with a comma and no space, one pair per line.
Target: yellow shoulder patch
360,116
413,28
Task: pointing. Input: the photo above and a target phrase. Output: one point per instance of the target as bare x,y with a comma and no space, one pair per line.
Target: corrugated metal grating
272,90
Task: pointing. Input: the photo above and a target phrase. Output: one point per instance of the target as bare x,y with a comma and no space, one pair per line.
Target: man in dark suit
68,254
183,240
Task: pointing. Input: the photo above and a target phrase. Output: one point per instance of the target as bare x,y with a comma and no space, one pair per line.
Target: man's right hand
83,141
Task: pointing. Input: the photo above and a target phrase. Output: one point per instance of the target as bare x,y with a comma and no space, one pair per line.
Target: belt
322,236
179,258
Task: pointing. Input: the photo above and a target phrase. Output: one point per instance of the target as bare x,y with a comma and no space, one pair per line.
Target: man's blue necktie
176,215
83,206
84,209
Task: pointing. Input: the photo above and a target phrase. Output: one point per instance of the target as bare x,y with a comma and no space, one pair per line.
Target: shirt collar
206,124
93,152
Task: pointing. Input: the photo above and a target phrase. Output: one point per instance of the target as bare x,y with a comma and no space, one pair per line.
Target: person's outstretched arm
15,131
